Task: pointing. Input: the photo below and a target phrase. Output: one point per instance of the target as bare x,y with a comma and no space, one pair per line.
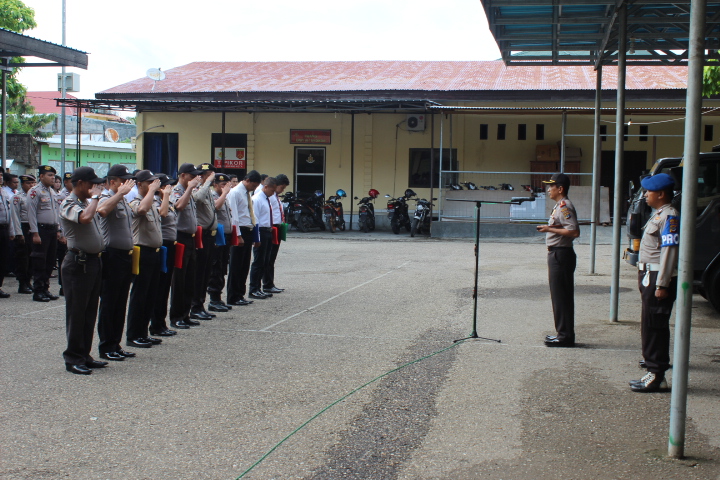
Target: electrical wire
269,452
661,121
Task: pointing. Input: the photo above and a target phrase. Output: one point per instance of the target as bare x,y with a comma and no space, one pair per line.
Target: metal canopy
17,45
585,32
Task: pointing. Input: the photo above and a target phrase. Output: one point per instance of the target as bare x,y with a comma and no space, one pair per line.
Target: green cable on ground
267,454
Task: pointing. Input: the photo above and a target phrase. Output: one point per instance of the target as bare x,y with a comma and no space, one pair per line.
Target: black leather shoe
212,315
217,307
4,295
125,354
225,305
240,302
163,333
550,337
258,295
651,382
50,295
556,342
182,325
78,369
268,295
114,356
192,323
40,297
96,364
24,289
200,316
154,341
138,343
273,290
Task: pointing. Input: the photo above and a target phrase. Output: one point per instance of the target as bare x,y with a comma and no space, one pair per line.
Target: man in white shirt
278,218
243,220
261,253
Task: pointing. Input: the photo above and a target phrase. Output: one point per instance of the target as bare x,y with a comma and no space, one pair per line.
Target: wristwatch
95,197
658,287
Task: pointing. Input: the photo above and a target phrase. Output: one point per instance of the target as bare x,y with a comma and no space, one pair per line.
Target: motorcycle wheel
302,223
331,224
407,226
414,227
371,223
395,225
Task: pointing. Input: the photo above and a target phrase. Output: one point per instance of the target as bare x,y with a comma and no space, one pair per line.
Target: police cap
657,183
120,171
221,177
86,174
559,179
46,169
189,168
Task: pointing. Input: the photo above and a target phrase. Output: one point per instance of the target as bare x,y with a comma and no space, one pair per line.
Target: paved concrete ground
211,401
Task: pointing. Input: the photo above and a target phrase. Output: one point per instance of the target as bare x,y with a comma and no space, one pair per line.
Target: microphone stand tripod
478,204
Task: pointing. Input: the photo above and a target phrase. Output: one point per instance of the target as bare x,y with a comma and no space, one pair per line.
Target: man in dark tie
261,253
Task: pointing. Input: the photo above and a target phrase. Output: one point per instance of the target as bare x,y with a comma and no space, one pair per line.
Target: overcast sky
125,38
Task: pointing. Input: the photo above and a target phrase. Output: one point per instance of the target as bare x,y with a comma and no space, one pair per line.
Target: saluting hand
126,187
154,186
167,190
226,189
210,178
194,182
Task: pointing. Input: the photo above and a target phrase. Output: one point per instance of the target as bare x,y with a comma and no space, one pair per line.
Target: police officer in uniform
82,269
9,230
147,235
221,253
22,244
116,223
168,222
183,282
560,231
207,219
657,280
43,209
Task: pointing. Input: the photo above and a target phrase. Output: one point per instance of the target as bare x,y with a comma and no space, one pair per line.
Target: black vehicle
398,211
366,212
288,203
308,211
333,211
707,240
421,219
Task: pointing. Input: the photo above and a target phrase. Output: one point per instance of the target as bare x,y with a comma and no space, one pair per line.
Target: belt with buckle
48,225
552,249
78,251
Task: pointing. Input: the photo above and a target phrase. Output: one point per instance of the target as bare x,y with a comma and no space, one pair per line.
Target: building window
626,129
708,133
539,131
522,131
644,133
420,167
483,131
603,132
501,131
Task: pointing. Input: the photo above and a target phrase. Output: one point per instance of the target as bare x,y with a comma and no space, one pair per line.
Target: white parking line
333,298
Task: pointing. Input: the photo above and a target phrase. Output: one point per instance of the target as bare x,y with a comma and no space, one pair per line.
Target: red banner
313,137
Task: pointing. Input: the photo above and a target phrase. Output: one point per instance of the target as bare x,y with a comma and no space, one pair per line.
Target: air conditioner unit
416,123
72,82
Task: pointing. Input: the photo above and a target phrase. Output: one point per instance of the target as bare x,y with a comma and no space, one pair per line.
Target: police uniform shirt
205,207
63,194
223,214
88,237
186,218
238,202
168,222
262,209
563,216
659,244
20,202
117,225
146,229
42,206
9,216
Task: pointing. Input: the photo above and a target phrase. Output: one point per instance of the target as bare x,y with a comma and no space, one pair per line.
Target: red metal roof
44,102
393,75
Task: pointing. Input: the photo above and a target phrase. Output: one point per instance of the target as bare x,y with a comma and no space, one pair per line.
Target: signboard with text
234,158
310,137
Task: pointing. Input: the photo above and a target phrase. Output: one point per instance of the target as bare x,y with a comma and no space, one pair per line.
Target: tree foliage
711,81
18,17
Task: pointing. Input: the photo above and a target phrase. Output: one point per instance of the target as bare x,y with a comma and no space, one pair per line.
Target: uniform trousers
655,323
42,257
22,256
239,267
561,270
183,284
82,292
261,258
143,294
268,279
160,306
4,251
60,255
219,269
117,276
202,272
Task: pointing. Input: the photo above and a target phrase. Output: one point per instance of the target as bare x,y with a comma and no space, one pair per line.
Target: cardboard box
547,153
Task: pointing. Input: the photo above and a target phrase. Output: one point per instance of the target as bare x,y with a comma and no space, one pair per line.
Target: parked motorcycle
333,211
398,211
288,203
366,212
421,218
308,211
506,186
454,186
470,186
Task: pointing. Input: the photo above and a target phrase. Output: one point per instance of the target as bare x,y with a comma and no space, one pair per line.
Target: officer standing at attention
43,212
9,230
261,253
278,218
22,247
561,229
243,219
147,235
82,269
183,282
221,253
657,280
207,219
168,221
116,224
